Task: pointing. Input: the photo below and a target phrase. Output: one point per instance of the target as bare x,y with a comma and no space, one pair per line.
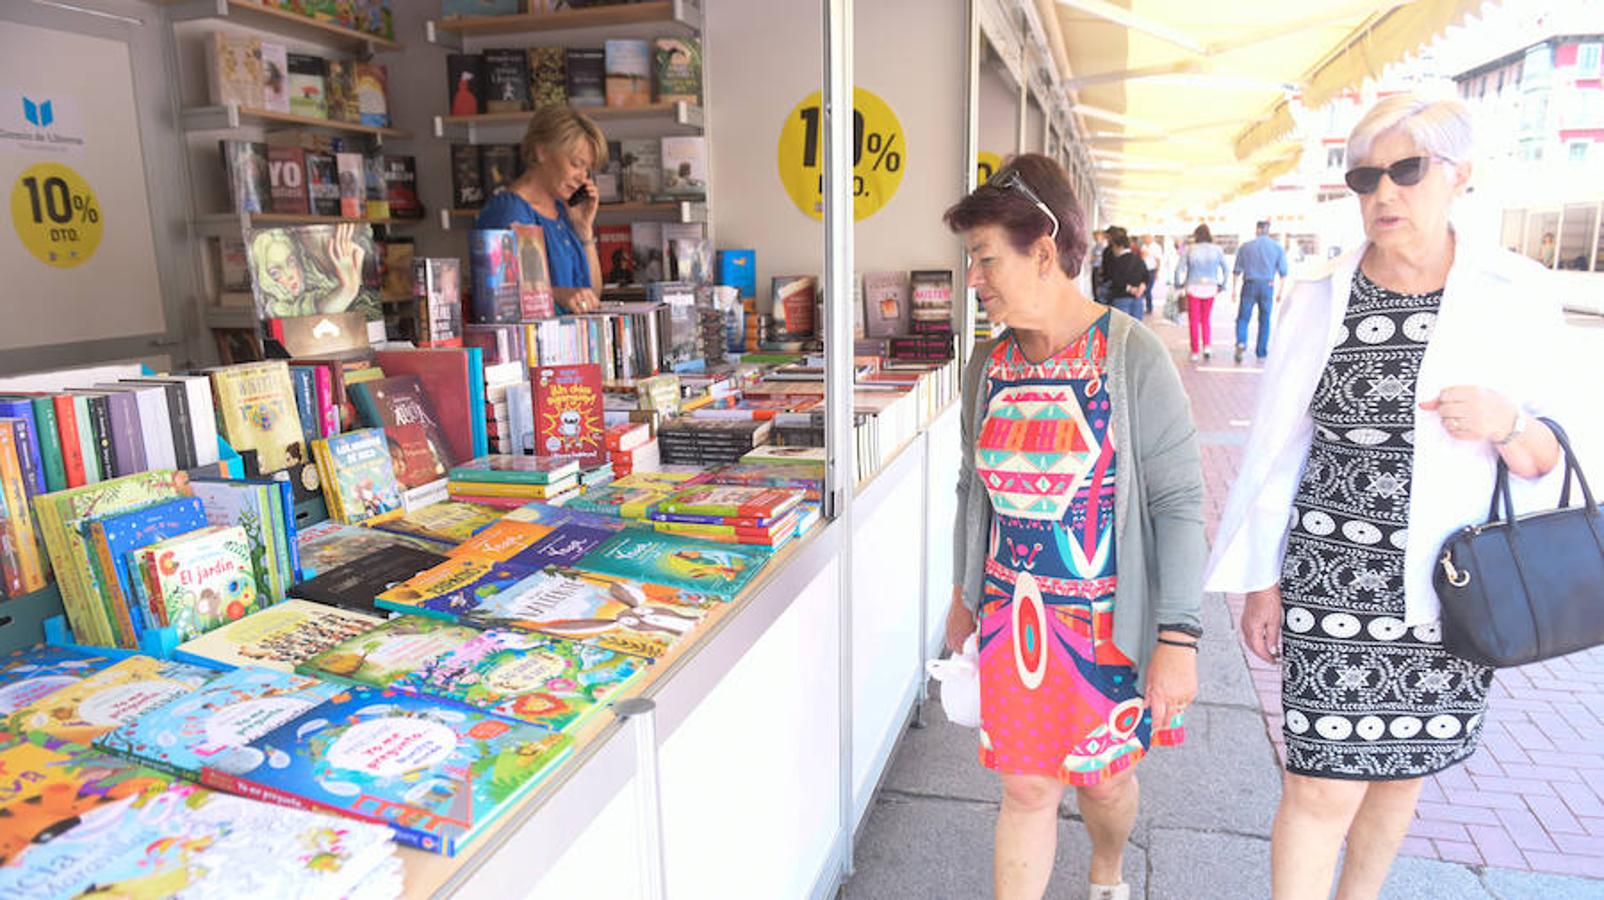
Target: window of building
1576,151
1576,236
1335,157
1587,60
1542,233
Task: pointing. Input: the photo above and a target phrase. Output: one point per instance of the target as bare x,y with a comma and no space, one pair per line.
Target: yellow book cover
453,587
452,521
98,704
256,408
18,521
505,489
503,540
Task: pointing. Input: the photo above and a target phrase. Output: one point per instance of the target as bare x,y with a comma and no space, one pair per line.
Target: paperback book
568,412
279,637
517,469
722,570
30,675
101,702
452,587
389,652
629,73
358,476
418,449
587,77
507,79
353,585
644,620
548,77
199,581
677,66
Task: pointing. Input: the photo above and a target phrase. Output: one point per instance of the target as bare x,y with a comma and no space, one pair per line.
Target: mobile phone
579,196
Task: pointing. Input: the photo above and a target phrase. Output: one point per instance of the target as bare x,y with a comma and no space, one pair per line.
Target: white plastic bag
960,684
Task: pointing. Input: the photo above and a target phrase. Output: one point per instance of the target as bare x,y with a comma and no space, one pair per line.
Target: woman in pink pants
1202,273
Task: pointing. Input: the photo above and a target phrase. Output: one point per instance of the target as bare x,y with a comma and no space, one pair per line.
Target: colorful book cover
436,774
401,187
306,270
535,299
246,164
516,469
112,540
539,513
199,581
719,569
389,652
542,681
677,65
25,564
493,256
451,384
548,77
249,505
732,500
30,675
568,413
886,304
635,503
348,169
211,726
647,620
340,91
256,407
308,90
671,482
280,637
628,67
330,544
99,703
363,485
465,78
355,584
323,183
418,448
450,521
566,545
503,541
453,587
235,64
373,94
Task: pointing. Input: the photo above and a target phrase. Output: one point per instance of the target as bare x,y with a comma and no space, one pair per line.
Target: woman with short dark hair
1078,543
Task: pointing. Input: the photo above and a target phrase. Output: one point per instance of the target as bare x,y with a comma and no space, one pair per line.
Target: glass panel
1514,223
1576,236
1598,249
1540,236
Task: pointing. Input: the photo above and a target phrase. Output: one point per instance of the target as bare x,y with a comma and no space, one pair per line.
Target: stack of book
632,448
622,501
500,379
359,483
731,514
509,481
708,442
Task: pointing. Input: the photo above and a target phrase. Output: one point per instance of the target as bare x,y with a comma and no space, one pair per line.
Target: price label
878,152
56,215
986,165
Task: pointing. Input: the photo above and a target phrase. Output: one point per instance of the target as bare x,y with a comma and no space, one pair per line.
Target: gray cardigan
1159,551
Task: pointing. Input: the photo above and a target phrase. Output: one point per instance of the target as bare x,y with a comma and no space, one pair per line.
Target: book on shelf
684,167
358,476
795,297
617,256
24,565
466,77
646,242
257,507
721,570
308,90
245,163
256,409
323,184
275,77
286,170
586,68
339,83
401,187
234,64
467,180
198,581
738,269
886,302
932,301
628,71
376,194
548,76
608,175
279,637
677,70
499,165
373,94
506,79
353,584
101,702
349,172
641,170
30,674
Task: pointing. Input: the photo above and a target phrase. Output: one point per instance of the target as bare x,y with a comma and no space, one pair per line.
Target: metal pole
641,714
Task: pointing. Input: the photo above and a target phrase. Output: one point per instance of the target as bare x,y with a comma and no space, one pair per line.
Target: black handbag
1516,590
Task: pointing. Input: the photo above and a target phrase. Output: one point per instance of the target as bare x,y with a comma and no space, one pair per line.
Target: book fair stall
375,564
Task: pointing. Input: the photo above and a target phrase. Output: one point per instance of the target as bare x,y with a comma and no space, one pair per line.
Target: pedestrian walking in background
1150,258
1389,396
1081,558
1262,266
1126,275
1099,249
1202,275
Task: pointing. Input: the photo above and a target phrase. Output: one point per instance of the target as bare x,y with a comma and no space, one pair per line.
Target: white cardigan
1500,326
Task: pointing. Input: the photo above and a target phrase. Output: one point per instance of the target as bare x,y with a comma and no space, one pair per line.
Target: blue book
738,269
722,570
565,546
305,381
476,401
22,408
435,772
113,540
292,532
28,676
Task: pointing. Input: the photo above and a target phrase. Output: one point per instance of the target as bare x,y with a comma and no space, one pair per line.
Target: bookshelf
230,117
656,120
283,23
235,224
660,17
684,211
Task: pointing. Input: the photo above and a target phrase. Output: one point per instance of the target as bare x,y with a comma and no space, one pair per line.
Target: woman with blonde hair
1395,387
559,151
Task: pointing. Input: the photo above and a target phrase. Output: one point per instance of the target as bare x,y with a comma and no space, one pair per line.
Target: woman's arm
1471,413
1173,473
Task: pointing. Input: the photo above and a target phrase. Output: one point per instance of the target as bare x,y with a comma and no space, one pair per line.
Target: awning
1187,104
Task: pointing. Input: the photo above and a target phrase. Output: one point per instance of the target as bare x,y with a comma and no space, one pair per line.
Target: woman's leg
1375,835
1109,810
1027,836
1314,815
1208,314
1194,313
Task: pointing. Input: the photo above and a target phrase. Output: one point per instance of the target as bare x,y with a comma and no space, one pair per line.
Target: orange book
18,526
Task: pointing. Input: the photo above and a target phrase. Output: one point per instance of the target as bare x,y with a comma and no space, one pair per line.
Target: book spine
106,573
17,514
49,434
72,451
276,559
202,418
33,476
306,402
292,536
151,594
105,453
413,610
126,436
183,427
327,410
331,488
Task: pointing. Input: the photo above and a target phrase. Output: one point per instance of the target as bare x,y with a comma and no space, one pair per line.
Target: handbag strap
1502,496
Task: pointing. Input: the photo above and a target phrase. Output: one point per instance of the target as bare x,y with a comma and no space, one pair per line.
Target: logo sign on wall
53,208
879,150
986,165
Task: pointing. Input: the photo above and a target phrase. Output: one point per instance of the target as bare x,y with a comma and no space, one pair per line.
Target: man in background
1261,265
1150,258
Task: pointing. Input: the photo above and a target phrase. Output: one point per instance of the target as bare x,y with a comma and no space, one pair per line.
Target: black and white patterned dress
1364,697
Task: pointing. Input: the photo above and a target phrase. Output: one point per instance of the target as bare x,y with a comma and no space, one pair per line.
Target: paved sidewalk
1520,820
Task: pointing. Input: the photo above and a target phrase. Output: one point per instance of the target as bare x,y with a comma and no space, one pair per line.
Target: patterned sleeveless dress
1057,698
1363,696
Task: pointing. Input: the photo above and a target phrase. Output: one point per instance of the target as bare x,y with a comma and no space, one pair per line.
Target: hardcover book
642,175
517,469
542,681
493,254
587,76
535,300
465,73
568,412
453,587
280,637
373,94
503,541
257,507
734,501
794,300
353,585
235,64
499,165
722,570
30,675
467,181
628,67
199,581
308,95
113,538
418,449
366,753
548,77
677,63
275,77
358,476
449,521
340,91
286,171
246,165
685,167
646,620
99,703
388,653
304,270
886,304
326,545
453,381
256,407
437,281
506,79
635,503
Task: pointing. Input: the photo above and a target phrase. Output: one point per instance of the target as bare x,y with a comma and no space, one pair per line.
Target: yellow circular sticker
986,165
55,213
878,152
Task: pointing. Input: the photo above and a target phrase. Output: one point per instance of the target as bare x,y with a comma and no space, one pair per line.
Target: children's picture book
568,412
418,448
503,541
722,570
113,538
99,703
540,513
436,774
629,73
326,545
256,409
279,637
32,674
354,585
450,521
548,77
452,587
625,502
199,581
256,508
389,652
646,620
304,270
493,255
886,304
211,726
732,501
358,475
677,67
543,681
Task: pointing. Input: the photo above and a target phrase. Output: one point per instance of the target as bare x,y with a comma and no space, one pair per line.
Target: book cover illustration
568,412
932,300
436,774
646,620
211,726
308,88
499,165
340,91
493,256
275,77
354,585
535,299
373,94
364,477
250,506
503,541
548,77
330,544
449,521
628,66
886,304
281,636
516,469
635,503
732,501
794,299
199,581
389,652
566,545
722,570
453,587
685,167
286,181
236,70
418,448
677,64
30,675
99,703
538,513
467,180
465,75
551,683
246,165
642,162
506,79
112,540
438,283
401,187
304,270
376,198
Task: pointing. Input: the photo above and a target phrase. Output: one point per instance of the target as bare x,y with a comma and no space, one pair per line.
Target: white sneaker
1121,891
1194,357
1207,354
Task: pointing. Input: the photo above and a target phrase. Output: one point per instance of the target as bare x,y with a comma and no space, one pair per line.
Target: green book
44,420
86,440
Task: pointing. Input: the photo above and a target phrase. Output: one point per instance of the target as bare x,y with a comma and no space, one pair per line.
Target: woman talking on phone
559,151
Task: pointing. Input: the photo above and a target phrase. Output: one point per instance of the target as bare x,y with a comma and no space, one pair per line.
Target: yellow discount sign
986,165
55,214
878,151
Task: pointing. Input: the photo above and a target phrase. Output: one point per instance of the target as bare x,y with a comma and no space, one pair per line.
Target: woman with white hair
1404,374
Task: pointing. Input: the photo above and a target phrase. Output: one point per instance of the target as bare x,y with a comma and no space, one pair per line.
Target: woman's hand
584,215
960,622
1171,680
1261,624
1471,413
576,300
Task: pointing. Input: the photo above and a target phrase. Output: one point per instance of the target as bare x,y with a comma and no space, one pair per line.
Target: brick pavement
1532,798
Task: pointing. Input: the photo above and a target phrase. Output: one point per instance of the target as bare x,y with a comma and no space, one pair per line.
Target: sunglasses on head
1013,181
1404,172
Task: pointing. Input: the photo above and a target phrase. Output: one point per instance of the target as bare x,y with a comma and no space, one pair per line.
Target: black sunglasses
1011,180
1404,172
